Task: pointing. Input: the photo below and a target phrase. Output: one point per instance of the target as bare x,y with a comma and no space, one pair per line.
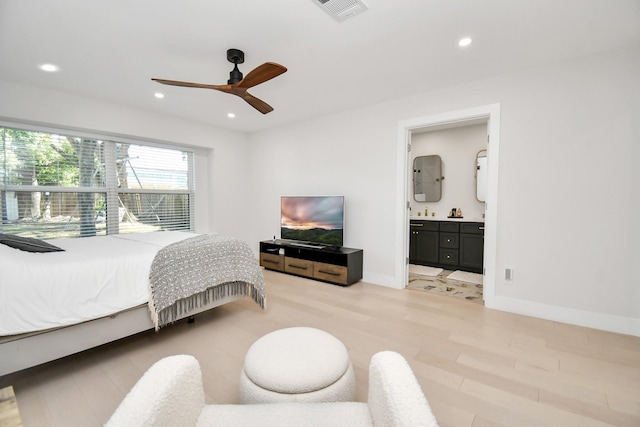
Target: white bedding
93,278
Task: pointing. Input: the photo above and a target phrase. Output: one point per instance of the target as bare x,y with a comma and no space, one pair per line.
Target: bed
100,289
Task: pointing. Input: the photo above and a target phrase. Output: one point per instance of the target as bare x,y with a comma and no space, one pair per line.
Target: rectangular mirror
427,178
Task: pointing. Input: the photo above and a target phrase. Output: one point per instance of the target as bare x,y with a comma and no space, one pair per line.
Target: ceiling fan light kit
237,83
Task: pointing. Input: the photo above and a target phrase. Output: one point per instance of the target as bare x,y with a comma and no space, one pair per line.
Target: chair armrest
170,393
395,397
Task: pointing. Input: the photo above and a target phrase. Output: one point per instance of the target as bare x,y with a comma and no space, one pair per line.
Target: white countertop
442,218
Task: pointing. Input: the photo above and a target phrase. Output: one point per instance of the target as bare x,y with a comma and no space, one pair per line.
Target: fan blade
234,89
256,103
224,88
261,74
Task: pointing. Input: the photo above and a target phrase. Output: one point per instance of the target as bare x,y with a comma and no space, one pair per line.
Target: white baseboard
572,316
589,319
383,280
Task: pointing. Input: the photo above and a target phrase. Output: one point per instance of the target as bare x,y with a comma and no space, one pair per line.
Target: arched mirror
481,175
427,178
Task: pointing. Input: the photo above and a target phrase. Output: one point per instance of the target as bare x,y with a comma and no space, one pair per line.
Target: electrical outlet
508,274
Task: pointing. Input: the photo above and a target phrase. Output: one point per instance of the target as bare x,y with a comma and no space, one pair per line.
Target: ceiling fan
237,84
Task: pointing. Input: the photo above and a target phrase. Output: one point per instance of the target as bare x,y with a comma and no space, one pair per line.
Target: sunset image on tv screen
315,219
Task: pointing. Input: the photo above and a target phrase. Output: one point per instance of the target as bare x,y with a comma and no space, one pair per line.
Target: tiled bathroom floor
443,286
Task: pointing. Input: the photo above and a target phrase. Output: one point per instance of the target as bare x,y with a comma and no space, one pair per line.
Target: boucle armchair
171,393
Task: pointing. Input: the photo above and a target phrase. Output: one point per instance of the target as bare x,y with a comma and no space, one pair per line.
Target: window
56,186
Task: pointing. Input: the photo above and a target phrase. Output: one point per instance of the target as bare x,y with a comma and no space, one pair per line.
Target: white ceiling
111,49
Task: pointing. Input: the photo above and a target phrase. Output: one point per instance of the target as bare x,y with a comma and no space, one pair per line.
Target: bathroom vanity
450,244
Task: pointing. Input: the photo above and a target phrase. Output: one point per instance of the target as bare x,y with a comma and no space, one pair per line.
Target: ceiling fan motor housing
235,56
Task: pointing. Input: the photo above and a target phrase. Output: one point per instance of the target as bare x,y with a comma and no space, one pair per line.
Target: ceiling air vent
342,9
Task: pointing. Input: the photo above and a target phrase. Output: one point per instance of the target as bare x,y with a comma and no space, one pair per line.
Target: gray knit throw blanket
189,274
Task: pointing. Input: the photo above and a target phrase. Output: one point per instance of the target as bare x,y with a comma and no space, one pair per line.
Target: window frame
110,189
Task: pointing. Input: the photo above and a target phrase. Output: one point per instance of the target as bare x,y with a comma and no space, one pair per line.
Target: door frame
491,113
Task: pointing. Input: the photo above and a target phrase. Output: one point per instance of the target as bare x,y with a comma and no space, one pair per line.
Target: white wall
221,173
567,197
457,148
340,155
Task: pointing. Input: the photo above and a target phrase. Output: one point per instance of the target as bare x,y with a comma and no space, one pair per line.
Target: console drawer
271,261
301,267
330,273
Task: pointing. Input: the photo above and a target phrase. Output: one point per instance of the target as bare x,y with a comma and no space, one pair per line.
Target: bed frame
24,351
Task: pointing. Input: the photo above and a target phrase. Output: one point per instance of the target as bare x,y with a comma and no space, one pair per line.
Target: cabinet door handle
416,225
480,228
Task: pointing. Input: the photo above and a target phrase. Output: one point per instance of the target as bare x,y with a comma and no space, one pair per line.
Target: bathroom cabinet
452,245
423,242
472,246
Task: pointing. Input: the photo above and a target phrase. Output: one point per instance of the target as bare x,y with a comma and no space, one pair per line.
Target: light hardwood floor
478,367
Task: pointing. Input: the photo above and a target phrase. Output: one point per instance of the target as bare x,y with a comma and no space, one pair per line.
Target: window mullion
111,185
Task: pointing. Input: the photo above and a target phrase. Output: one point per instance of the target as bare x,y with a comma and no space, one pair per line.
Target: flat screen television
313,220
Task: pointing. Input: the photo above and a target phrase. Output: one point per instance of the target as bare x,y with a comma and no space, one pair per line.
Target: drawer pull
273,250
270,261
332,273
416,225
480,228
301,267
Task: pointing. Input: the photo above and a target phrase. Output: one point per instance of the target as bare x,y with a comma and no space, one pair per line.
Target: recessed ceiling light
464,42
158,95
49,68
231,115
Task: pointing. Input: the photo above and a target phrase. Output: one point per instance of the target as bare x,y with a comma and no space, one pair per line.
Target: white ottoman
297,365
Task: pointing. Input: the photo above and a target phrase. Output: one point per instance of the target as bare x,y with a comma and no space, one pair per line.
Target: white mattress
93,278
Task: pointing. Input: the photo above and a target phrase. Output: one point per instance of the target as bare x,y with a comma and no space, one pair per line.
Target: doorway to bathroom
487,117
457,206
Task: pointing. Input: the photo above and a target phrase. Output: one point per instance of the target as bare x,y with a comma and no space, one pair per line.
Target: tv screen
317,219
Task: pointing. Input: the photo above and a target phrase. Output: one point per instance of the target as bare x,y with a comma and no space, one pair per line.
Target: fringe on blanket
184,306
